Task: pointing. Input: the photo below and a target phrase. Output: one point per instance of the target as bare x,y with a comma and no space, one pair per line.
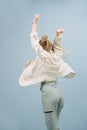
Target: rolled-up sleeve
35,44
58,46
35,40
57,42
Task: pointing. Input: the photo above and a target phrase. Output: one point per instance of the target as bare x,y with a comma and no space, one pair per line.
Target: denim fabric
52,101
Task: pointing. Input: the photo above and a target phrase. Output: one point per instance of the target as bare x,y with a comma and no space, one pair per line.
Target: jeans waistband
46,82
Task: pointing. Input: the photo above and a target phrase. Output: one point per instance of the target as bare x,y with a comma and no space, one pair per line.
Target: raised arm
57,39
34,22
34,35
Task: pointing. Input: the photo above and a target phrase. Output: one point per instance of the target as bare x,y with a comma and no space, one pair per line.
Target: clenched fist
36,17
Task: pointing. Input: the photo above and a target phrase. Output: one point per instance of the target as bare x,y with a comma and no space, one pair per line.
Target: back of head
46,44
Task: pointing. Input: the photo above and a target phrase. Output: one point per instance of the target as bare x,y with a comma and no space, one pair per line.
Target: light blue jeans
52,101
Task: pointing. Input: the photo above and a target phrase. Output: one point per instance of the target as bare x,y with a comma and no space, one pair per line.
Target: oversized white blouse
46,66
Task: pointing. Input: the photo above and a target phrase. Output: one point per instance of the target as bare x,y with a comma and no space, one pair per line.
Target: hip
50,89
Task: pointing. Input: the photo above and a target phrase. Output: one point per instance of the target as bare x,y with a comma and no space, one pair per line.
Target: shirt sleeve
35,44
58,46
57,42
35,41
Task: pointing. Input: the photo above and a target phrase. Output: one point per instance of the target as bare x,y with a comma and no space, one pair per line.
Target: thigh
51,120
50,98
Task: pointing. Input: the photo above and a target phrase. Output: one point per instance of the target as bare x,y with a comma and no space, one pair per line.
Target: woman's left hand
59,32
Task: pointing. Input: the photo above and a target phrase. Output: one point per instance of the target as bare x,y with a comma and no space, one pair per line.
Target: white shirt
46,66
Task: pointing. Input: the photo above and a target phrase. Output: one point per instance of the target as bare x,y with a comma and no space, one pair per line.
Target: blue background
21,108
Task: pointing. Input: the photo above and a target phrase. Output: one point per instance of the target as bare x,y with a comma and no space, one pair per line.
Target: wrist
34,22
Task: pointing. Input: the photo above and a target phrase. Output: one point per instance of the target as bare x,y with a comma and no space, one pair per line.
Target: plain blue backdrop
21,108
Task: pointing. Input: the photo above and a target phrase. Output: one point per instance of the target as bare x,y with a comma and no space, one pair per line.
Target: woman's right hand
36,17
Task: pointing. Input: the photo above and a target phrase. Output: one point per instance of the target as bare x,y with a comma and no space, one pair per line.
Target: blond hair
46,44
